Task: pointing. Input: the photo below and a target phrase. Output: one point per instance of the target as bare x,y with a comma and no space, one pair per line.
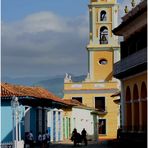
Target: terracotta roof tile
78,104
8,90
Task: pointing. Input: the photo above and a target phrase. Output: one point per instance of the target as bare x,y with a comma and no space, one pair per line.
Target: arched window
128,94
128,109
143,91
103,35
135,93
103,16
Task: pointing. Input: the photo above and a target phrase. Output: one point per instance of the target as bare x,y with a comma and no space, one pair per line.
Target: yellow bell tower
99,85
103,46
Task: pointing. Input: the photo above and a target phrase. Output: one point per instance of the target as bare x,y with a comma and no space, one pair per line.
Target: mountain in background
53,84
56,85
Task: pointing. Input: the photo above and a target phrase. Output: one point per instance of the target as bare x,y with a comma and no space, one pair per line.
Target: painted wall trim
89,91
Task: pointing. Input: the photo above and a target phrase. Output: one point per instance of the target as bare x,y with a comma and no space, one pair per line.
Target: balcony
132,64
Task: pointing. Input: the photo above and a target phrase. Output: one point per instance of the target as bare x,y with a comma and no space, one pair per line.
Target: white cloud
44,42
45,21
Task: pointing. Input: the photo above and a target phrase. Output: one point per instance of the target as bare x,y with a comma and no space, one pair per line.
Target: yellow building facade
132,71
103,51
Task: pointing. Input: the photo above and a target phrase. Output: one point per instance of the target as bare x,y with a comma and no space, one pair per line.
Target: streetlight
15,120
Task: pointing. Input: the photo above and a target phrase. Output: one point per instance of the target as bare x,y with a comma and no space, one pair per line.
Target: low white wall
82,118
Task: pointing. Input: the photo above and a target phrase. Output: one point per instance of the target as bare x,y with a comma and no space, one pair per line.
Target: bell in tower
104,35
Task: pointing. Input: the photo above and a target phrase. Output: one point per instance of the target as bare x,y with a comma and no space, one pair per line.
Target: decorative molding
76,85
99,85
90,91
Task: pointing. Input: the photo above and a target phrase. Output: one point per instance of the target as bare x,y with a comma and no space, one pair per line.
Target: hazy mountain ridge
54,84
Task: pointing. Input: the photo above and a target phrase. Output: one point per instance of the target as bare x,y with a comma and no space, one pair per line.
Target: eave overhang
130,17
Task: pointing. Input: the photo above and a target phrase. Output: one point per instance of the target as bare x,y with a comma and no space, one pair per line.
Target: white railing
6,145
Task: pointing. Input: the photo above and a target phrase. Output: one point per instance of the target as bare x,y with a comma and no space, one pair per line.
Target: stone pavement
70,145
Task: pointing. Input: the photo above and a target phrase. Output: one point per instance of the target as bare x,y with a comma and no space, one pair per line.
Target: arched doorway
136,108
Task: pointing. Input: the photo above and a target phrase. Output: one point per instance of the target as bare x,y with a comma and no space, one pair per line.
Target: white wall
83,119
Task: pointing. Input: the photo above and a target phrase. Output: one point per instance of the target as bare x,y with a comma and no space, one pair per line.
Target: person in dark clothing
47,138
84,138
40,139
74,136
26,139
30,138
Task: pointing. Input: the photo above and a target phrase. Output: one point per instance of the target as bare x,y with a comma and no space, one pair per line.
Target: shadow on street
63,145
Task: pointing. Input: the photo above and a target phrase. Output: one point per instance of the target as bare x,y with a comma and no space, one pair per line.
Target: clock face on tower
103,61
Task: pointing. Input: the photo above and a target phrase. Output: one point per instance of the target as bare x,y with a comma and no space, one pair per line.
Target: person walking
40,140
74,136
30,139
44,140
84,138
47,138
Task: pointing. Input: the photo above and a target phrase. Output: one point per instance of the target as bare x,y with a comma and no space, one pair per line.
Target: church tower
103,45
99,85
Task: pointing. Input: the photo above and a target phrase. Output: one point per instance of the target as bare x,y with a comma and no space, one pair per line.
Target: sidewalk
69,144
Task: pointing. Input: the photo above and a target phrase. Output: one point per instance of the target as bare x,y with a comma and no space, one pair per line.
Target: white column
51,125
61,124
16,125
13,127
57,125
49,120
19,128
122,104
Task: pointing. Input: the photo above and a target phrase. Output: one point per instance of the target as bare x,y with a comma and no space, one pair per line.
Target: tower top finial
126,9
133,3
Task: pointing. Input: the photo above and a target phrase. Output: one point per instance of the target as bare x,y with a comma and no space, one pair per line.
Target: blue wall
33,120
6,121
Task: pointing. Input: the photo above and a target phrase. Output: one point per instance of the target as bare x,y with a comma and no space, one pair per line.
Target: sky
45,37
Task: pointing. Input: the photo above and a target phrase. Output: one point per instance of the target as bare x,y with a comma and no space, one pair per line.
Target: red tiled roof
9,90
78,104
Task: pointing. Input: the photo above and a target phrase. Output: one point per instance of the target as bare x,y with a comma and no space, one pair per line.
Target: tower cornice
103,47
101,5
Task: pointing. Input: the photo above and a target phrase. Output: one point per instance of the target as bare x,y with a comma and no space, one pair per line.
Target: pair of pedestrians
79,138
44,140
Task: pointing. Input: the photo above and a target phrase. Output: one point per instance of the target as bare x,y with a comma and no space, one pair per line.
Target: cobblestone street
70,145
